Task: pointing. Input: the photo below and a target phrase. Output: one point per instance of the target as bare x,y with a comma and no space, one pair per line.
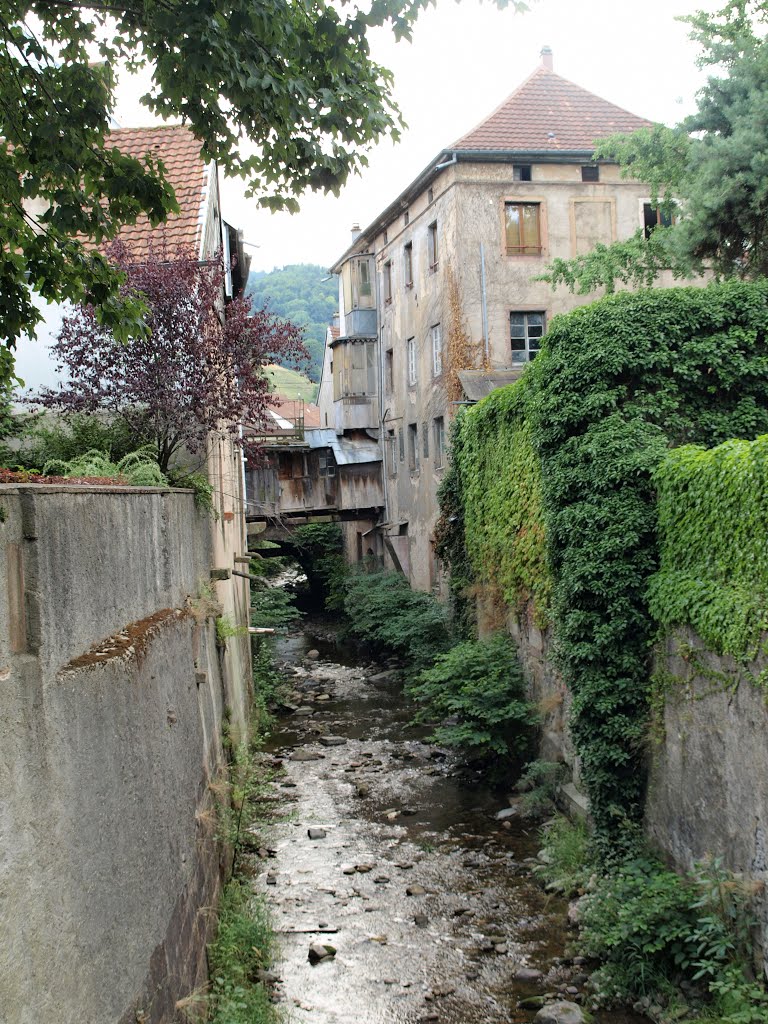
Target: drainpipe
449,163
485,302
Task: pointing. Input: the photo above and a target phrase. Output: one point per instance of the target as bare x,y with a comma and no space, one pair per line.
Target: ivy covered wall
554,492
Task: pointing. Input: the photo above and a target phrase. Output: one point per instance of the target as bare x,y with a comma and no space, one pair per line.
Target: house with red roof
440,300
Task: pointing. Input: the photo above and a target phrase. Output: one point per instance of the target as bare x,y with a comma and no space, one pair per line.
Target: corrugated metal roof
478,384
346,450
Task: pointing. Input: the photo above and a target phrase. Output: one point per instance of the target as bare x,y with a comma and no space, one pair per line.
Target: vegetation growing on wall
501,493
713,523
320,552
617,384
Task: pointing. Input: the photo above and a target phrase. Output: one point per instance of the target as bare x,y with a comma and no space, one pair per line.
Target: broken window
523,229
413,447
526,332
432,245
656,216
327,462
408,265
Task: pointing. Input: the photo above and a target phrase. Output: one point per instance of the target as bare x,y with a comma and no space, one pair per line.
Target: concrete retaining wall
112,695
708,754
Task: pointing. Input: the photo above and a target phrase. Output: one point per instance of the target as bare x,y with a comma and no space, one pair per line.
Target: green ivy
500,474
713,523
617,385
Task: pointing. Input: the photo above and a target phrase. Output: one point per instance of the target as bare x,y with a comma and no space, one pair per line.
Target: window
408,264
424,441
438,445
410,351
391,452
401,443
437,350
327,463
386,236
389,371
654,216
357,281
521,172
523,229
432,245
590,172
387,273
430,196
354,369
407,218
413,447
526,332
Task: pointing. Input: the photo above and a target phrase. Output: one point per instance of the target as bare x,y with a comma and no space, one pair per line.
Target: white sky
463,61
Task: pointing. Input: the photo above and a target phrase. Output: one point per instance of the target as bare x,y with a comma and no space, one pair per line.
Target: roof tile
187,172
549,113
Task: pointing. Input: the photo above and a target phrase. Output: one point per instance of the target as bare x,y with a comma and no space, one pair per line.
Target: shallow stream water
476,934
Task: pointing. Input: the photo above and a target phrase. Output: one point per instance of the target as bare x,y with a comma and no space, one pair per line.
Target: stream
420,881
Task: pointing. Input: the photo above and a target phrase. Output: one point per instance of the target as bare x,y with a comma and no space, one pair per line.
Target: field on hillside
291,384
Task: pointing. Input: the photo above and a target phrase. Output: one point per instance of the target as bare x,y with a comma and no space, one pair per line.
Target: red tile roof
549,113
186,170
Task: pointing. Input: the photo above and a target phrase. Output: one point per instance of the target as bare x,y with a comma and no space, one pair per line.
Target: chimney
355,232
546,58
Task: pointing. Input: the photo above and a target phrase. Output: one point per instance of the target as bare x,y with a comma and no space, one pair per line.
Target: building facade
440,300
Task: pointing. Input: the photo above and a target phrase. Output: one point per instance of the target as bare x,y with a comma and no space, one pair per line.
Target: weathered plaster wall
708,792
112,693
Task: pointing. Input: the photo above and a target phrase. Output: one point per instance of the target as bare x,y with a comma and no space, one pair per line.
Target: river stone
316,833
306,755
421,920
313,655
319,952
527,974
508,812
333,741
415,890
563,1012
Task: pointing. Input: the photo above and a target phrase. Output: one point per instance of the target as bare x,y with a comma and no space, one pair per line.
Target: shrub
69,437
384,612
320,552
478,687
568,862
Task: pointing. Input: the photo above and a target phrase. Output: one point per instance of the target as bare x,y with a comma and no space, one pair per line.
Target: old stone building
439,297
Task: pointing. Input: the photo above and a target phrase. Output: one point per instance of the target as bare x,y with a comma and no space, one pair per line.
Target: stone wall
707,753
112,697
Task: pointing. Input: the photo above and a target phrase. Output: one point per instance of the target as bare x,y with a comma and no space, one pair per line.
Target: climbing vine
617,385
713,524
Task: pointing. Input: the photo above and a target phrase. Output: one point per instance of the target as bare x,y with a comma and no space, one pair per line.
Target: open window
655,217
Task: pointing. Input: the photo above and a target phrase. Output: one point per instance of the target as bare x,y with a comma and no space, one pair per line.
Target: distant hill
304,294
291,384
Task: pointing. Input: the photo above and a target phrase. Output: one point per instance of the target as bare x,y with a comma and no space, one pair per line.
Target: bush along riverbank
675,947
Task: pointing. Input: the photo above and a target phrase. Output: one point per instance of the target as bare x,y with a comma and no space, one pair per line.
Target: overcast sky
463,61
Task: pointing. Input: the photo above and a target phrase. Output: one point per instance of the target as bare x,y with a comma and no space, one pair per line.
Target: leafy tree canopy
296,80
197,370
715,164
305,294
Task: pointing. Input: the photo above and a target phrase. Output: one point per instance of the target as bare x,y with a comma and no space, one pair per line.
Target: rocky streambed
400,893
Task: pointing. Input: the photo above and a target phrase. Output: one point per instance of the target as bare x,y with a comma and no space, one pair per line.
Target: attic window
407,218
521,172
430,196
590,172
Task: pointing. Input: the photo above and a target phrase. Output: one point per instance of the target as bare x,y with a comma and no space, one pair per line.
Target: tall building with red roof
440,295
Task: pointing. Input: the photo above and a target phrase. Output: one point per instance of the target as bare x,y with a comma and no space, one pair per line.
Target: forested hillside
303,293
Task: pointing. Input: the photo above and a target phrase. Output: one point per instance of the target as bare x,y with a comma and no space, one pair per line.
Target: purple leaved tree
198,369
